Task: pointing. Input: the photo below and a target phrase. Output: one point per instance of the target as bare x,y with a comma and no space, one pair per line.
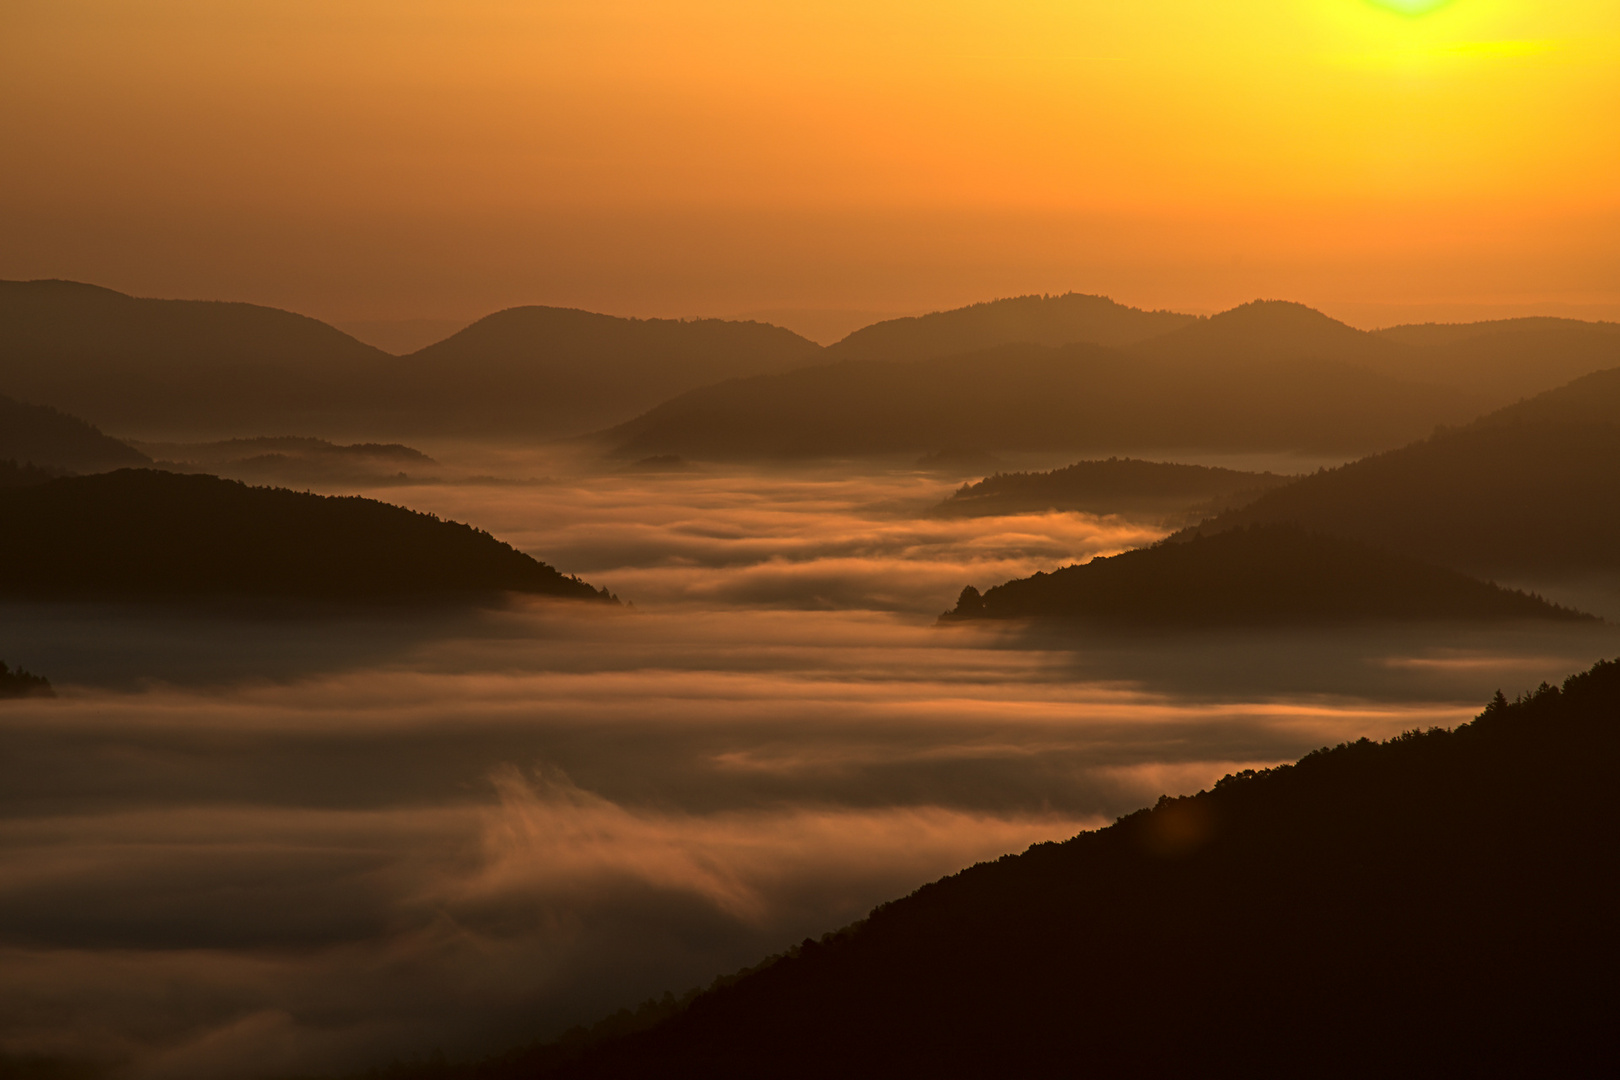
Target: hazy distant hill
139,533
1260,574
1118,485
42,436
1492,498
1434,905
180,368
147,366
1029,397
559,370
1497,361
1508,358
1035,320
1270,330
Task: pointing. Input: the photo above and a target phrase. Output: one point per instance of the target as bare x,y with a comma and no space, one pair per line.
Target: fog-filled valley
365,739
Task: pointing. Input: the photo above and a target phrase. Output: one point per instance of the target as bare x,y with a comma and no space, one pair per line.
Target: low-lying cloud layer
267,842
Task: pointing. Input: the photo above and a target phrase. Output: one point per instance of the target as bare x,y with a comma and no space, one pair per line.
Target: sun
1411,7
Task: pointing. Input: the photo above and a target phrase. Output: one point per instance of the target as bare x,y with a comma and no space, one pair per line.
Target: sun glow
1412,7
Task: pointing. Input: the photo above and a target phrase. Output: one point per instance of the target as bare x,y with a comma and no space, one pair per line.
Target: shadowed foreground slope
141,533
1440,904
1262,574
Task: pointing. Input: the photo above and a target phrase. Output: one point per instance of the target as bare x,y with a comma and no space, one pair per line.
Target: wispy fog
265,841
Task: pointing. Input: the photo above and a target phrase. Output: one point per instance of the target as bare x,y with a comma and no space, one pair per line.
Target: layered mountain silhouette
559,370
47,439
1114,486
1270,375
1437,904
1257,575
168,368
1074,397
1036,320
141,533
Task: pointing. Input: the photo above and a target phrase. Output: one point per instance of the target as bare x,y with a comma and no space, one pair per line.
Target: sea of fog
273,841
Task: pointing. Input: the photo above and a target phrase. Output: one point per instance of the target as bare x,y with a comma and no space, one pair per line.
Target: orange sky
379,159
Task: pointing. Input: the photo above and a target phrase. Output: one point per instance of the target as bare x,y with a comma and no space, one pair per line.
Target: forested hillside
1256,575
1494,498
143,534
44,437
1437,904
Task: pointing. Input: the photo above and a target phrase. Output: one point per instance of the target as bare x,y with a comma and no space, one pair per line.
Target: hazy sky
384,159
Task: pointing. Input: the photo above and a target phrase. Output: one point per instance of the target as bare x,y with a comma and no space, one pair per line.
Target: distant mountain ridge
166,369
1075,398
143,534
1072,318
188,370
568,371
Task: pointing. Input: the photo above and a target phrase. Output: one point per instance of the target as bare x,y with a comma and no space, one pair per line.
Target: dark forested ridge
16,683
1036,320
1493,498
140,533
44,437
1117,485
1260,574
1438,904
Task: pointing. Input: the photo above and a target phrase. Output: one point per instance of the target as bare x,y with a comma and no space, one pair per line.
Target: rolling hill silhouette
1269,330
1256,575
179,365
1037,320
1029,397
560,370
1437,904
178,368
41,436
1118,485
143,534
